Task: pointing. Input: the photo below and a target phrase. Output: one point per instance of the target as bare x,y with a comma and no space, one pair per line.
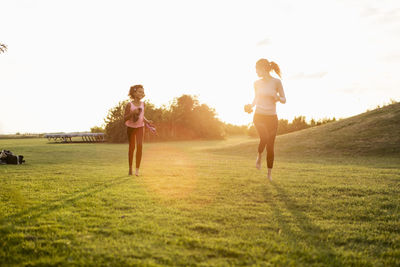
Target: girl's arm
128,113
147,121
144,118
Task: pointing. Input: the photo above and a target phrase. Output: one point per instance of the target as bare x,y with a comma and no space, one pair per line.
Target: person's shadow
299,230
37,211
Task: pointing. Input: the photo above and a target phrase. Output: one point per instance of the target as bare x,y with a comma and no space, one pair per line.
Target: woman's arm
255,96
249,107
281,94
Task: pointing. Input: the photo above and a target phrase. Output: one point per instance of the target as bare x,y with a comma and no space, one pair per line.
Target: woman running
268,91
135,120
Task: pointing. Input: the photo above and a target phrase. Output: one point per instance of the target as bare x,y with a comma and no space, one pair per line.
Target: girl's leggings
135,133
266,126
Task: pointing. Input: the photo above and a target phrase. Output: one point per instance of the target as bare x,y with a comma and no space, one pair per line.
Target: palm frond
3,48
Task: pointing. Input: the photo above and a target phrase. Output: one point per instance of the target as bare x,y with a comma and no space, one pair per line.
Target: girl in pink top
134,120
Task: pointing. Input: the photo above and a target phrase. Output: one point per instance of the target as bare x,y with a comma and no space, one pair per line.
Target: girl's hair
133,89
264,64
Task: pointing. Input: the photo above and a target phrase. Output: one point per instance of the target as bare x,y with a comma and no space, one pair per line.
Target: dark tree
115,127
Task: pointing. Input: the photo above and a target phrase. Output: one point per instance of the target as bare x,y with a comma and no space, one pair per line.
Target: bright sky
69,62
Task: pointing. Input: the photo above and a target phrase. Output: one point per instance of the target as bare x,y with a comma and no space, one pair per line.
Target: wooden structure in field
67,137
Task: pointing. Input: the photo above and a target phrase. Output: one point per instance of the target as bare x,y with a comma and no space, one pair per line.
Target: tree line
185,118
297,124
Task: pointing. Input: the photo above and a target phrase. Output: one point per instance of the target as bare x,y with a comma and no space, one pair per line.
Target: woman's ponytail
265,65
276,68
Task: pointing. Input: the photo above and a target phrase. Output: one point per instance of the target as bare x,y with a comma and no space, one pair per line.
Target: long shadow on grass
310,234
39,210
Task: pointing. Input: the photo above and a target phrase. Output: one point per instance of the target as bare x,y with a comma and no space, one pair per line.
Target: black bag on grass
7,157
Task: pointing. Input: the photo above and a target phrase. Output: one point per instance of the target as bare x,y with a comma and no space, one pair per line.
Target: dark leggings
135,133
266,126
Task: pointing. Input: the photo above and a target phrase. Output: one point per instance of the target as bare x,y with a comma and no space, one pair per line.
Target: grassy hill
373,133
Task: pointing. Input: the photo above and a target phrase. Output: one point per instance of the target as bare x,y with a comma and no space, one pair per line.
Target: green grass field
196,203
204,203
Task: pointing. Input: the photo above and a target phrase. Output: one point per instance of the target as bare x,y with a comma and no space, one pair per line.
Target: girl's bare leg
130,152
139,147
